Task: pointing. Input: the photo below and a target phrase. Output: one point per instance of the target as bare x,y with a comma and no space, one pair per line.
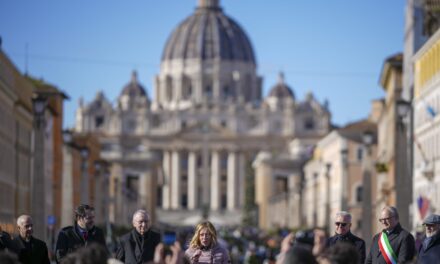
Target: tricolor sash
386,249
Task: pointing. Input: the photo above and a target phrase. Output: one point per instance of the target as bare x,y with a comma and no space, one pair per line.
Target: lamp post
84,175
403,162
367,139
344,200
38,209
328,166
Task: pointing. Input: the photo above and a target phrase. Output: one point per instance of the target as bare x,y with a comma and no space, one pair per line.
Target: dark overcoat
69,240
127,246
430,255
37,253
402,243
349,238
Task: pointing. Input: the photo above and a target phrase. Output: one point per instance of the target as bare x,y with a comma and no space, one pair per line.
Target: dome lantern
209,3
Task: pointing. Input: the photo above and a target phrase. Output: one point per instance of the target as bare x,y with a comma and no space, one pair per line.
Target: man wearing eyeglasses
429,251
394,244
81,234
344,235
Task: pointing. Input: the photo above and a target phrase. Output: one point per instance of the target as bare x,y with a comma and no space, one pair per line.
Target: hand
158,253
178,254
286,244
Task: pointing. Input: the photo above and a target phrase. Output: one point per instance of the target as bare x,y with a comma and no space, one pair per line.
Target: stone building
188,149
426,107
16,155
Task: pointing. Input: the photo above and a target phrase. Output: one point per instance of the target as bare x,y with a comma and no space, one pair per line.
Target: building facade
426,105
205,125
16,130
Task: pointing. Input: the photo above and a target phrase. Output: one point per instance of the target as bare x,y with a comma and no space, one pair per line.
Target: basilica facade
189,149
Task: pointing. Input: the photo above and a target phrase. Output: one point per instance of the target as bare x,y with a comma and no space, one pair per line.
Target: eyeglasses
385,219
341,224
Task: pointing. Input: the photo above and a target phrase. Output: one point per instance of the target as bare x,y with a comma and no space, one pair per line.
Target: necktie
85,236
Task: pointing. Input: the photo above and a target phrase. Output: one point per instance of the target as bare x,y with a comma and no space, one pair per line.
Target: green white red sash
386,249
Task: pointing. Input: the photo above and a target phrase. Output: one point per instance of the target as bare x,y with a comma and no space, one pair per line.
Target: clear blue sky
333,48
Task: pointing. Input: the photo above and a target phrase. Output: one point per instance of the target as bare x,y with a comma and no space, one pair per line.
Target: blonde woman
204,248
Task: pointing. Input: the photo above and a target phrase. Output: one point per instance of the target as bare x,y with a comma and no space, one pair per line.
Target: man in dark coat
29,249
82,233
344,235
401,241
429,252
138,245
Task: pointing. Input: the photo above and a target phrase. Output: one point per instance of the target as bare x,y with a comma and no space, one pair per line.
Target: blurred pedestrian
204,247
138,245
29,249
81,234
175,256
344,235
341,253
5,240
394,244
429,251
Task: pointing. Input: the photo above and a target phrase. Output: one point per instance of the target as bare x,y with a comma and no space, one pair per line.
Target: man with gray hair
429,251
29,249
138,245
394,244
344,235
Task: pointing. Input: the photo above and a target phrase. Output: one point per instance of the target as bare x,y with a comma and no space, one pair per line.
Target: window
99,121
208,91
226,91
359,193
360,153
309,124
131,189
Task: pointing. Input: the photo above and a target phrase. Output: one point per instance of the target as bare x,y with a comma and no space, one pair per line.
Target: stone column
175,180
147,191
232,195
192,180
241,179
166,188
215,180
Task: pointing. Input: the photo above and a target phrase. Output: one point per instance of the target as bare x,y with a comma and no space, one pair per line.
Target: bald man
29,249
138,246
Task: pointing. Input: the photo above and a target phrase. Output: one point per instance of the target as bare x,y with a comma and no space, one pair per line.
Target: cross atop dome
134,76
209,3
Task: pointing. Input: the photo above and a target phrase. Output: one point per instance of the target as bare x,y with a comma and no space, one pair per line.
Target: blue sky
333,48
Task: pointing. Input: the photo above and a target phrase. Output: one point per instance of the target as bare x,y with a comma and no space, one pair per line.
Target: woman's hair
195,241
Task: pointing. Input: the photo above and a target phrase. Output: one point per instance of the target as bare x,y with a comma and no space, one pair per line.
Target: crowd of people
84,243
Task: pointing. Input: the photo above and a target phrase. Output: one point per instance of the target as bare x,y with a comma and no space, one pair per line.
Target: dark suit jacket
70,240
401,242
127,246
432,253
357,242
38,253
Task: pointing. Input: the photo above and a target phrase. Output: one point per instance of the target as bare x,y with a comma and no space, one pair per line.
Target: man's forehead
141,217
386,213
343,218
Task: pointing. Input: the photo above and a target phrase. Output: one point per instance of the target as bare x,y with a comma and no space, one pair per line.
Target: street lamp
402,109
84,151
403,160
344,200
38,208
328,166
367,140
